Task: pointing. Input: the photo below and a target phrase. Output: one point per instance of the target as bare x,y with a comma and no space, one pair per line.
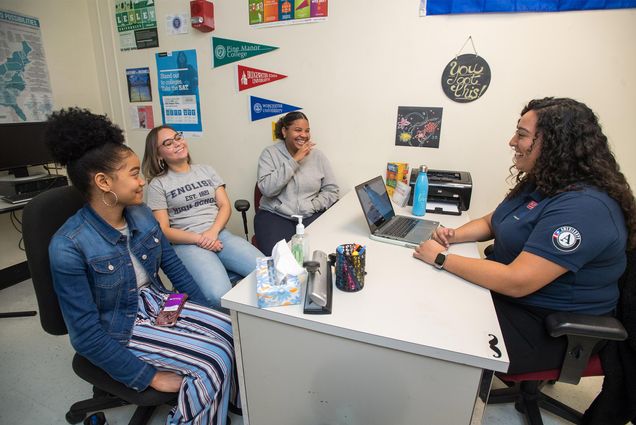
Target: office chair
243,206
583,333
42,216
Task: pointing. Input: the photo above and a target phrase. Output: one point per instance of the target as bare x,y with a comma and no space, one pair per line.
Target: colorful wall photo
418,126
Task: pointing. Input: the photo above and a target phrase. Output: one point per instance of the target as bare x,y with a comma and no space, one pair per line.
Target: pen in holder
350,261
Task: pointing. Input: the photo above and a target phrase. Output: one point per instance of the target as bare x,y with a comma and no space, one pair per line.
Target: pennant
445,7
263,108
226,51
252,77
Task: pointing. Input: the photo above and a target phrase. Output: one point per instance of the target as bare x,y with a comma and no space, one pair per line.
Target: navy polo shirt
581,230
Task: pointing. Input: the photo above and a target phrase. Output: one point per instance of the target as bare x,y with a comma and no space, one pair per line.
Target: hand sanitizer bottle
421,192
300,242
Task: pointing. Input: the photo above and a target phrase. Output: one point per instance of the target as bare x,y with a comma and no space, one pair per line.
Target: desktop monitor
23,147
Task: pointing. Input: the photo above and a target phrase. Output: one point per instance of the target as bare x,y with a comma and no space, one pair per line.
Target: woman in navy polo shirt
560,235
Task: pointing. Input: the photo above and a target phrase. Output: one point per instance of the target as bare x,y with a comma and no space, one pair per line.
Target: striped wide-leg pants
200,348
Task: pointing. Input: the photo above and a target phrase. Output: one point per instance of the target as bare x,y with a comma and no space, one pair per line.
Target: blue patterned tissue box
268,293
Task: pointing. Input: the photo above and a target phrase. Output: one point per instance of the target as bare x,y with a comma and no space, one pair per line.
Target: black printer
450,189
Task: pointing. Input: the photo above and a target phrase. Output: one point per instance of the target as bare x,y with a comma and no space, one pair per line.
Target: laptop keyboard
399,227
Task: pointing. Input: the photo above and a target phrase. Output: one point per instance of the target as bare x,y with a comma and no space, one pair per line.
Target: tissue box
270,294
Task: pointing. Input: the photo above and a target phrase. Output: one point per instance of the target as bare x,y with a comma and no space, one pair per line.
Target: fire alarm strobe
202,15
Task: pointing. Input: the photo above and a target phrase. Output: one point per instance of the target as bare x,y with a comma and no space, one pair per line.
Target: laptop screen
375,202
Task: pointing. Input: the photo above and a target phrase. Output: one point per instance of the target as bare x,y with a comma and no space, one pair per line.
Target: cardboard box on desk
271,294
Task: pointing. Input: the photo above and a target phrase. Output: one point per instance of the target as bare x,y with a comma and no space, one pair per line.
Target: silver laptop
384,224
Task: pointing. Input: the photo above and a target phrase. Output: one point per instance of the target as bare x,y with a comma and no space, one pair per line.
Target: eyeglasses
169,143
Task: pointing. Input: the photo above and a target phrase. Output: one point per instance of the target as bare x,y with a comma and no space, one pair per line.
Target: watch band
440,260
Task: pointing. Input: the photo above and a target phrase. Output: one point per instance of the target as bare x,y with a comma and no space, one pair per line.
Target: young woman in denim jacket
104,262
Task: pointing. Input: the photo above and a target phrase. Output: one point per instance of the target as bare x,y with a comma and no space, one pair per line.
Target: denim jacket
96,286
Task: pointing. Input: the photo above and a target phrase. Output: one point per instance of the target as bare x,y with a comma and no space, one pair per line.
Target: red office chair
583,332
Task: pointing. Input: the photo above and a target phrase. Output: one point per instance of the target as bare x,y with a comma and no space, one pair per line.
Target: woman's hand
444,236
167,382
428,250
210,240
303,151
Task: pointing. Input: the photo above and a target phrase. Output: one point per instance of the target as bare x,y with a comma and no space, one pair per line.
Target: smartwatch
440,260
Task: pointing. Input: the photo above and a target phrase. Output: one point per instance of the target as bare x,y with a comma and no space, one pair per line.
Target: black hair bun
72,132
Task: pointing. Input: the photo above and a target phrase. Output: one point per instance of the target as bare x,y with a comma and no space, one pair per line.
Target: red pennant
252,77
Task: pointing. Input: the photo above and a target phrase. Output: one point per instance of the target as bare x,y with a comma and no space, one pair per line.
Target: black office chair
243,205
583,333
42,216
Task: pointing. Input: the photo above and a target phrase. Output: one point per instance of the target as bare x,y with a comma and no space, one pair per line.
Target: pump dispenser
300,242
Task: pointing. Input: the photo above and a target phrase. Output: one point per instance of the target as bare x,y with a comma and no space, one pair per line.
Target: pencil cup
350,259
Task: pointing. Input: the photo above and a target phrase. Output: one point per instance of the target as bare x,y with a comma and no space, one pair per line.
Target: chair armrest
583,332
242,205
600,327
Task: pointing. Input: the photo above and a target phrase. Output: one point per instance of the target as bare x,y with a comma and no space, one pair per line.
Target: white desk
409,348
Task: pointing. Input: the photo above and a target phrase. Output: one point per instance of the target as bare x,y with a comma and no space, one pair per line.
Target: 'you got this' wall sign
466,78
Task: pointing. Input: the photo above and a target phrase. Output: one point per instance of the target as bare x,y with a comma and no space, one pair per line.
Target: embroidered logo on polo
566,238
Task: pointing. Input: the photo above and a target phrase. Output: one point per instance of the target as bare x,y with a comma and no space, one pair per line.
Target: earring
104,198
162,164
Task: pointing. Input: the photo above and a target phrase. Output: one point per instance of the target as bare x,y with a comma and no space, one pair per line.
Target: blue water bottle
421,192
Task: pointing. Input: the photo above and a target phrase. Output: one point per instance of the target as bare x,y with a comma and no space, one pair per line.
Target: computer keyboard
20,198
400,226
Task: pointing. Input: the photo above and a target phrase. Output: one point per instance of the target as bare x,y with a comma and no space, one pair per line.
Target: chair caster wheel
74,418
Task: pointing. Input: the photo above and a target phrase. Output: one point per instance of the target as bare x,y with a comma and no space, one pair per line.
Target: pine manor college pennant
226,51
263,108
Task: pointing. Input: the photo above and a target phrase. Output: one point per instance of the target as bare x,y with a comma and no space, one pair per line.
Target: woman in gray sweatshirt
295,178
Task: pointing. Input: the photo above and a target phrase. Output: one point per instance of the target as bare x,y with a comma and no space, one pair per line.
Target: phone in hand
171,309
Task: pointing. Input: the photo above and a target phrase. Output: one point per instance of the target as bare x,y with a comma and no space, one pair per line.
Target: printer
448,191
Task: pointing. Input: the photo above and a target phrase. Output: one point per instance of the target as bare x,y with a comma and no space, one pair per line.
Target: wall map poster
179,89
25,89
266,13
466,78
136,24
418,126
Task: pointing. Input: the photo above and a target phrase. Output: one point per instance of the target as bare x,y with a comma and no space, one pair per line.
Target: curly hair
574,153
286,121
86,144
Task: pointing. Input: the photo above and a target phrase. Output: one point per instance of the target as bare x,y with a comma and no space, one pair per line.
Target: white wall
352,72
69,53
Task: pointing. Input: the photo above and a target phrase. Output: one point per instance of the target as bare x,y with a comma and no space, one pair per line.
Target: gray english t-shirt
188,197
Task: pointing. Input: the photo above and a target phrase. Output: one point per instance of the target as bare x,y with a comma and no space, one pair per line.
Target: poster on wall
418,126
466,78
179,89
136,24
138,80
267,13
25,88
264,108
141,117
226,51
251,77
177,24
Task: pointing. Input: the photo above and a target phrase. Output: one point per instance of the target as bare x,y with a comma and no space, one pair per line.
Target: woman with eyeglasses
295,178
105,261
560,234
191,204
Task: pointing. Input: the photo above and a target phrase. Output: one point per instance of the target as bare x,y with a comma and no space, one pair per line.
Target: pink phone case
171,309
